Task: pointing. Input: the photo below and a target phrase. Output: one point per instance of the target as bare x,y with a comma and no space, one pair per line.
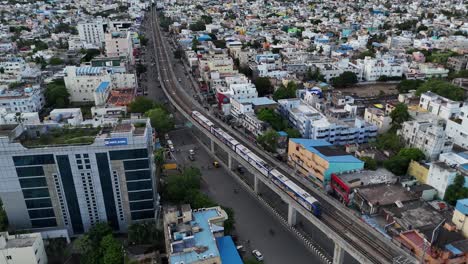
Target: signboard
115,141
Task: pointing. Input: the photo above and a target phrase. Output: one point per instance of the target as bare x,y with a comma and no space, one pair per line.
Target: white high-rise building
92,32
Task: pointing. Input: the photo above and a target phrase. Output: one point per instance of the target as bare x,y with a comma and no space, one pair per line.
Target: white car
257,254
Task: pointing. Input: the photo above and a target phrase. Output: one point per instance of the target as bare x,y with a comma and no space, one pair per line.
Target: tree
2,70
229,223
219,43
389,141
90,247
366,53
399,163
314,76
263,86
442,88
293,133
269,140
178,53
145,233
141,104
178,187
143,40
345,79
399,115
161,120
140,68
246,71
369,163
159,158
195,44
112,250
271,117
406,85
3,218
285,92
198,26
456,190
206,19
56,94
55,61
90,54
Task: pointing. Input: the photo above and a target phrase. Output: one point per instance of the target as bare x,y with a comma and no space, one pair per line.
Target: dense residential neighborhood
243,131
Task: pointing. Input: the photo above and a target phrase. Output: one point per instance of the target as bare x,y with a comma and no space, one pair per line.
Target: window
8,257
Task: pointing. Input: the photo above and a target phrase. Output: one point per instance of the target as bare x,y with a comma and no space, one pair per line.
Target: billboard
115,141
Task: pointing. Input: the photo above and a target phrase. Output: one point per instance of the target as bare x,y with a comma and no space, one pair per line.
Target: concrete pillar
338,255
256,182
229,161
212,145
292,215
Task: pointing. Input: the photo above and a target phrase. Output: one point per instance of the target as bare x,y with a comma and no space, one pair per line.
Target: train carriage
225,138
253,159
297,193
202,120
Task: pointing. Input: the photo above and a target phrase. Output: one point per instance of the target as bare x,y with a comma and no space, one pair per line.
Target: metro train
297,193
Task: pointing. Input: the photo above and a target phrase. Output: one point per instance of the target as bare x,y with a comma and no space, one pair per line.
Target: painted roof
102,87
314,145
204,238
462,206
258,101
88,70
228,250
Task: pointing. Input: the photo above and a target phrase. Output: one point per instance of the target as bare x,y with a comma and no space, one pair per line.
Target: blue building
198,236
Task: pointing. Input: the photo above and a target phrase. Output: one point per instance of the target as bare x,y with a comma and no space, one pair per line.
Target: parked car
257,255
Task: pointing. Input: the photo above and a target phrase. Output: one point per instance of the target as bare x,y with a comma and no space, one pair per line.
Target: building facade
23,248
428,136
108,178
92,32
457,128
84,83
460,216
318,160
22,100
312,124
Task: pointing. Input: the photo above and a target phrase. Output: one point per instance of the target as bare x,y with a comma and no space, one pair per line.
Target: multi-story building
439,106
119,44
378,118
22,99
460,216
22,248
236,87
457,127
373,69
443,172
56,177
312,124
318,159
197,236
92,32
335,69
428,136
85,84
457,63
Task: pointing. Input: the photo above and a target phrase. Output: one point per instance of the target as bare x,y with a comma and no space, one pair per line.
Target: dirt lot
369,90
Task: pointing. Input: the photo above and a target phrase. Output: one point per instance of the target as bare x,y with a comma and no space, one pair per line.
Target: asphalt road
253,221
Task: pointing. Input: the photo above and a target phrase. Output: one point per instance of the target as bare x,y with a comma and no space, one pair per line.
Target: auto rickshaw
215,164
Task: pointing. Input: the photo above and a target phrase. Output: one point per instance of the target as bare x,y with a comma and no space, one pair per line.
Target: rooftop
368,177
62,136
327,151
204,240
258,101
102,87
228,250
385,194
